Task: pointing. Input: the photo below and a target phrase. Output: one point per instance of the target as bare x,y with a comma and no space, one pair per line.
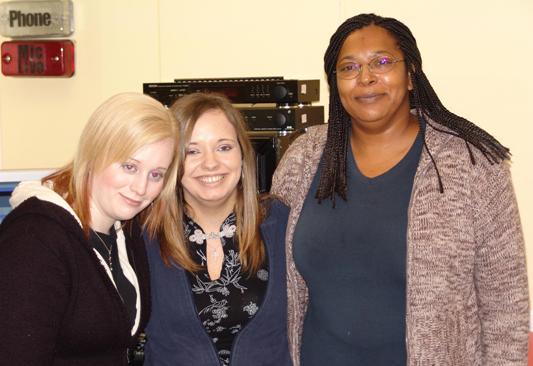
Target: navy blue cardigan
175,334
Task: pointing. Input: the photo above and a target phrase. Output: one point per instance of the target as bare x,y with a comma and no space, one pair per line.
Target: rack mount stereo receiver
242,90
282,118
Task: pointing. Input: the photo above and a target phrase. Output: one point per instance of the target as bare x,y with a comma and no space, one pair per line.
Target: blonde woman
219,292
74,282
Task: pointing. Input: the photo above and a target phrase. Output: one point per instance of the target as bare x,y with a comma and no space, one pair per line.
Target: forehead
368,41
148,151
213,124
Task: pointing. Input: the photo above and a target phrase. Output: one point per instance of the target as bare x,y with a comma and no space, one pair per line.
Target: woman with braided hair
404,243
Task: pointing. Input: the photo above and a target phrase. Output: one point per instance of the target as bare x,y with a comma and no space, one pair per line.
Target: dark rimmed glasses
378,65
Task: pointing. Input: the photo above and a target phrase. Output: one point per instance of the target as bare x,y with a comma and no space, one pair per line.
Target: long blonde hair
187,110
117,129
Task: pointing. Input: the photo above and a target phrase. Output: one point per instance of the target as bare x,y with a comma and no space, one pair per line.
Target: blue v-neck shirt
353,259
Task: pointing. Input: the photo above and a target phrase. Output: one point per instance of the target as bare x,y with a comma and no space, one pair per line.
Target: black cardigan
57,304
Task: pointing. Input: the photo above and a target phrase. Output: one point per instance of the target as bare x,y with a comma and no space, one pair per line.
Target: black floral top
228,303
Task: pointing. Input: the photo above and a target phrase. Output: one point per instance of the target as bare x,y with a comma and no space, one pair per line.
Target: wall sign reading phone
53,18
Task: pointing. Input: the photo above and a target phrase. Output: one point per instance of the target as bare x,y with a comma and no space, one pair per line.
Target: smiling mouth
132,202
211,179
368,98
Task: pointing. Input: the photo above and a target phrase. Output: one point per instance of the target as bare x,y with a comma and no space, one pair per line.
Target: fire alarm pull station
38,58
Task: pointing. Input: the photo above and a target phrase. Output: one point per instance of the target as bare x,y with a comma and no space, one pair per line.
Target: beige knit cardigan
467,293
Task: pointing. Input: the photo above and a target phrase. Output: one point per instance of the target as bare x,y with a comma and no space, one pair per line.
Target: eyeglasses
378,65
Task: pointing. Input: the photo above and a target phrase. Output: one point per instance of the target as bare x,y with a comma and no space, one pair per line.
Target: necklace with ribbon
199,236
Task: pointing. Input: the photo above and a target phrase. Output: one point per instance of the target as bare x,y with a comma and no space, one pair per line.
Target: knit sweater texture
59,303
467,292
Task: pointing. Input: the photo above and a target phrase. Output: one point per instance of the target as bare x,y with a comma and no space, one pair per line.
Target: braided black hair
422,98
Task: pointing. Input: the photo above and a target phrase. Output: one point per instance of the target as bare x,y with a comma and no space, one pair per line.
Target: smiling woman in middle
219,293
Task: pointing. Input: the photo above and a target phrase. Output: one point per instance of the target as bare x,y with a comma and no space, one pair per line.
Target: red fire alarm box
38,58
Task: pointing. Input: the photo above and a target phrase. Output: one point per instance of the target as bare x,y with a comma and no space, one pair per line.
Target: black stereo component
240,90
265,160
282,118
269,147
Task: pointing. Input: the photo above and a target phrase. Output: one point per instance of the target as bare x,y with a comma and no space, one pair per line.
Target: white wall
476,54
116,49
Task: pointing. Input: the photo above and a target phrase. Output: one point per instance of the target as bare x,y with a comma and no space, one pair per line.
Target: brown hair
187,110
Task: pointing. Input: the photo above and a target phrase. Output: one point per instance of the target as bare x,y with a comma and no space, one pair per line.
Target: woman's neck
103,227
376,153
209,218
385,136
